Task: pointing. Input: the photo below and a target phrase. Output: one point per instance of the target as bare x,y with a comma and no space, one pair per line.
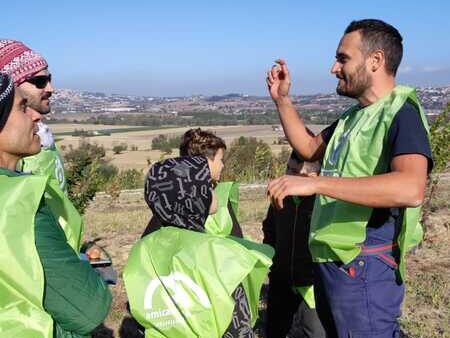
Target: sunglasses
40,81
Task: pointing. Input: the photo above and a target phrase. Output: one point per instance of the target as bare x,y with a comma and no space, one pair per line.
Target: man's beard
36,102
355,84
38,105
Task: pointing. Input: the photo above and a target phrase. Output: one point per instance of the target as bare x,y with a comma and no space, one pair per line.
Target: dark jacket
287,231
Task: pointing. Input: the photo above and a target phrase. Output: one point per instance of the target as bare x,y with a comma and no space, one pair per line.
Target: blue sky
175,48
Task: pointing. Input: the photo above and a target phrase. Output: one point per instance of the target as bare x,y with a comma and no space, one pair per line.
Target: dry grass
426,310
426,307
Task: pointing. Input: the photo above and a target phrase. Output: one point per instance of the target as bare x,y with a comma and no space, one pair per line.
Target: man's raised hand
278,80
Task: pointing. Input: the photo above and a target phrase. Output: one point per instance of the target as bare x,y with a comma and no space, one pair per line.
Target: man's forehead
349,42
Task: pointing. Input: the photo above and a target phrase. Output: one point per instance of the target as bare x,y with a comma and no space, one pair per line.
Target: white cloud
405,69
432,69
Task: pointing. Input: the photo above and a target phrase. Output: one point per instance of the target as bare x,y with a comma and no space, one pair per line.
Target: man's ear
377,60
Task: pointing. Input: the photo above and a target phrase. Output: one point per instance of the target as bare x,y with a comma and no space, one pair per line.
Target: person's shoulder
408,134
407,113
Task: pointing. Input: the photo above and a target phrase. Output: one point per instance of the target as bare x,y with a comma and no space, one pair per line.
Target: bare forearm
394,189
307,145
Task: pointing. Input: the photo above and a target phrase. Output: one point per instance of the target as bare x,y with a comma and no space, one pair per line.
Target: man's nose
49,88
335,68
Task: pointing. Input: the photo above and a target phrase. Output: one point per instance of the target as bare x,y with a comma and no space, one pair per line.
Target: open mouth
342,82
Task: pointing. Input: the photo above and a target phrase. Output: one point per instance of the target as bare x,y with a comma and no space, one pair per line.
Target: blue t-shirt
407,135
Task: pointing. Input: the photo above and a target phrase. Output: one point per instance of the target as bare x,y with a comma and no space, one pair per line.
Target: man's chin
36,146
44,108
341,91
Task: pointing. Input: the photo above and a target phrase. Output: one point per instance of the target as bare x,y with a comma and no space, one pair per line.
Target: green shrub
251,160
118,148
131,179
87,171
440,140
165,144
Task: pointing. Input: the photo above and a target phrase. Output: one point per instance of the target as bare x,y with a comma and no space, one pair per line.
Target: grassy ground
426,307
426,310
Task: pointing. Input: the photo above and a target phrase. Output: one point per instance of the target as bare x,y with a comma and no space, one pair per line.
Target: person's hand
289,185
278,80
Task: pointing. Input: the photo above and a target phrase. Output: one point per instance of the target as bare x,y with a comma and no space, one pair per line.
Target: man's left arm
404,186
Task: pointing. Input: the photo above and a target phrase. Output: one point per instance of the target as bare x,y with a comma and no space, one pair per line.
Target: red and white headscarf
19,61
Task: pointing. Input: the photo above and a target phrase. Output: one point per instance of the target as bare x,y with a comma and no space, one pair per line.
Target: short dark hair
200,142
377,34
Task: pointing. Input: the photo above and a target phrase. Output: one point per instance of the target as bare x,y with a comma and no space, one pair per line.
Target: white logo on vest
173,291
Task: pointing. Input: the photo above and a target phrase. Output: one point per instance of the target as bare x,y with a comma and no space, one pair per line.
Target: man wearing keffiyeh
29,71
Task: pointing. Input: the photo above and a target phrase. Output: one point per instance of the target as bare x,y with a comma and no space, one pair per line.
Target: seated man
182,281
46,290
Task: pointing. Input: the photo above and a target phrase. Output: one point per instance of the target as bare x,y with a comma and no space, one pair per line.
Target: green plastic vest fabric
307,293
358,149
47,162
179,282
21,274
221,222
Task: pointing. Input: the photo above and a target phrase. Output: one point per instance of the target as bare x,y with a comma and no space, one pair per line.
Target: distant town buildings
67,101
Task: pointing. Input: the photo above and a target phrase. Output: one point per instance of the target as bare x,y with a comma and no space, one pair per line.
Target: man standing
29,71
375,160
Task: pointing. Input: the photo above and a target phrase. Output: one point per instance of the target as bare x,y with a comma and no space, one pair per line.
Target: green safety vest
358,148
221,222
180,282
48,162
21,273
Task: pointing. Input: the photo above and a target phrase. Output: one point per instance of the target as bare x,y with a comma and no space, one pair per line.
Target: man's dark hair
377,34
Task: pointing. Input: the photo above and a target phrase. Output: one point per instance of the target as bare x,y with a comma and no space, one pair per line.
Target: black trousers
288,315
